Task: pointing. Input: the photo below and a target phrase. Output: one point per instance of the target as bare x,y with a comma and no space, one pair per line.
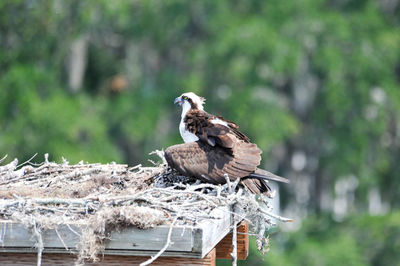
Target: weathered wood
211,231
190,242
17,236
25,259
224,247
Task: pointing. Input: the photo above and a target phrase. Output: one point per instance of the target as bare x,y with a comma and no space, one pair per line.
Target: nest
106,197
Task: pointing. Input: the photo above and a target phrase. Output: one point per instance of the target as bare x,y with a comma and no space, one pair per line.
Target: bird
214,149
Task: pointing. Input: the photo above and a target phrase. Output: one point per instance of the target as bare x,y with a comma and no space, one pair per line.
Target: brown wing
199,123
210,164
235,129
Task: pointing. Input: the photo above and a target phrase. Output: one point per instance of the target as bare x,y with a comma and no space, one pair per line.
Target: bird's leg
219,191
228,182
234,184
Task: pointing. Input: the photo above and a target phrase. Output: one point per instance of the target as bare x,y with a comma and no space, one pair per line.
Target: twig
64,161
2,159
234,242
27,160
135,167
76,174
247,234
152,259
39,242
159,154
235,184
260,234
52,201
3,233
280,218
73,231
228,182
9,167
62,241
200,186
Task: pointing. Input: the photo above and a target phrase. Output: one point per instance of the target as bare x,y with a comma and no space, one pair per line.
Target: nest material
106,197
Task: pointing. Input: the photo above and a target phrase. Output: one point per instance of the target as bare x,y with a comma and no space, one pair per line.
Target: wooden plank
224,247
111,252
152,239
189,242
211,231
26,259
16,235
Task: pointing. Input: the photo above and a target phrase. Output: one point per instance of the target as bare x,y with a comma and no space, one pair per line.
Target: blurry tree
315,83
361,240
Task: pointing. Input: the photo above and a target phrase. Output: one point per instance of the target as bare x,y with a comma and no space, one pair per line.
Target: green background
316,84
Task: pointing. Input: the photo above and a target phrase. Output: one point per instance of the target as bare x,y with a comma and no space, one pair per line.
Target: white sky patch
299,160
378,95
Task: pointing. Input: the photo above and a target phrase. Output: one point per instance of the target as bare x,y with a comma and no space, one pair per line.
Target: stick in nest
152,259
39,242
30,159
100,193
2,159
234,240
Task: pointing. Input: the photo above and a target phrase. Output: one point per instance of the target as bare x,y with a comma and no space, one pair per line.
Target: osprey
215,148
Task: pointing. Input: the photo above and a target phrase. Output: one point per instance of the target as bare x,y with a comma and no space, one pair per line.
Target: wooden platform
29,259
191,245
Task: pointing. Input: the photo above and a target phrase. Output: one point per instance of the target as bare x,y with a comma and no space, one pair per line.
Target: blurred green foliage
362,240
95,81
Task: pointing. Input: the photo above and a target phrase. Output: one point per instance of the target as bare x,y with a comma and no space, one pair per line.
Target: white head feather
185,101
199,101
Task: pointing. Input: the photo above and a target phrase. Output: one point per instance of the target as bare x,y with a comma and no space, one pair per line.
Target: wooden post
224,247
14,259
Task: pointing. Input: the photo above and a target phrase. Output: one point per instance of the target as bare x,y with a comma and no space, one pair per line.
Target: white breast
185,134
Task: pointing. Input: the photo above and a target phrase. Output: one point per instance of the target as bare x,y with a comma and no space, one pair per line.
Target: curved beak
178,101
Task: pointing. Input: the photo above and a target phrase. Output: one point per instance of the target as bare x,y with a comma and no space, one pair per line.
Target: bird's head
189,100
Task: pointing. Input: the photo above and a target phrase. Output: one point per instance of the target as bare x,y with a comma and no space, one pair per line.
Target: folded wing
210,164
